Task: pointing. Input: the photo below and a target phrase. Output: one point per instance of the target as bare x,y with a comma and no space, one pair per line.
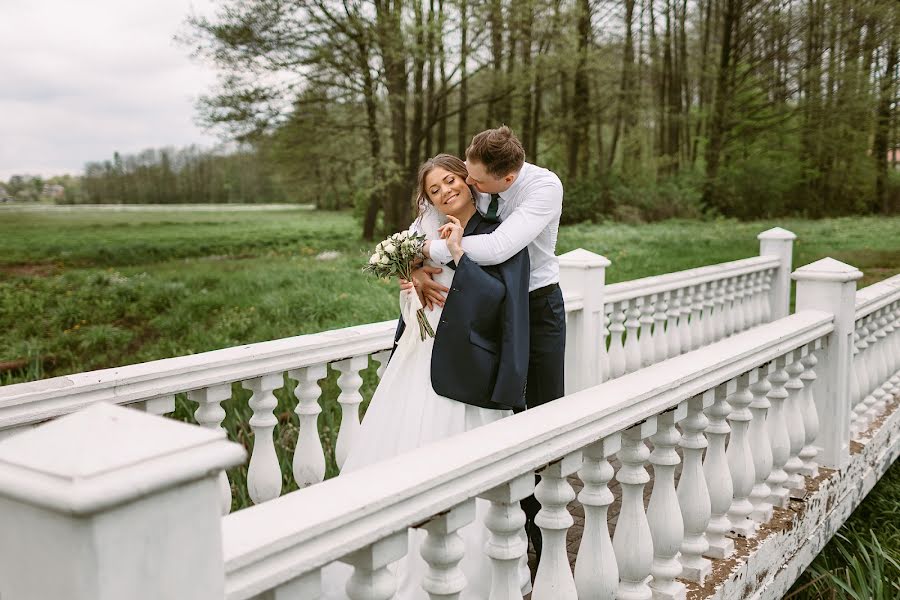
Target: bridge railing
611,330
127,504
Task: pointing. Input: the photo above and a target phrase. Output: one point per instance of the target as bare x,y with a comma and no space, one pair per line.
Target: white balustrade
765,300
596,570
309,457
740,458
758,434
663,510
210,414
856,405
730,309
778,435
709,316
693,494
443,549
159,406
382,359
605,371
740,304
718,476
264,473
632,540
349,382
307,586
506,545
554,577
796,434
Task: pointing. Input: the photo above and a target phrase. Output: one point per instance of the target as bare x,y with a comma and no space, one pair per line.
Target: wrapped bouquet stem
395,257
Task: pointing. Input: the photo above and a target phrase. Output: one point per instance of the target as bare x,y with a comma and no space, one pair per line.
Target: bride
470,374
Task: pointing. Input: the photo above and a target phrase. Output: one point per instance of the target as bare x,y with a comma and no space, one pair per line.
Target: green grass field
89,290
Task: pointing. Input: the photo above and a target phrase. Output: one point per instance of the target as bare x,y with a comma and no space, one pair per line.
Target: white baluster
880,395
718,476
264,473
754,293
632,346
309,459
856,407
740,457
632,541
797,436
766,303
349,382
761,446
697,338
778,434
382,359
693,494
660,343
663,510
740,309
810,416
709,305
506,546
673,335
604,354
870,365
730,308
721,309
647,349
210,414
554,575
616,346
596,571
684,326
443,549
307,586
371,579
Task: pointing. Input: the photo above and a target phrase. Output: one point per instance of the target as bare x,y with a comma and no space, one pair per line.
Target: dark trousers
546,363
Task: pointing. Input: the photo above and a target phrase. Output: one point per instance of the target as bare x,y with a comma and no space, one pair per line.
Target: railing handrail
48,398
271,543
657,284
876,296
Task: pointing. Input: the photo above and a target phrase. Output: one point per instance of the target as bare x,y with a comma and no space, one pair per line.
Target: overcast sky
80,79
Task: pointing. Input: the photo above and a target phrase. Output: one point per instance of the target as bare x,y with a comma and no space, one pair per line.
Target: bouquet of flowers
395,257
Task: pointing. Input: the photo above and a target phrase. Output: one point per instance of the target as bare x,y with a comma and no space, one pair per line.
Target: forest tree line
645,108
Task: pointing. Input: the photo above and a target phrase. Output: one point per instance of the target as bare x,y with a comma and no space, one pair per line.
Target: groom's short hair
499,150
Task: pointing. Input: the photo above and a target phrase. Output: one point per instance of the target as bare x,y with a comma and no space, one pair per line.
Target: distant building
53,191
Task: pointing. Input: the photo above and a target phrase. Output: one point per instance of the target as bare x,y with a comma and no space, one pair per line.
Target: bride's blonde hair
447,162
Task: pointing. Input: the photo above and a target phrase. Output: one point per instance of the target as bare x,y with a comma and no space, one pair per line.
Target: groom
528,201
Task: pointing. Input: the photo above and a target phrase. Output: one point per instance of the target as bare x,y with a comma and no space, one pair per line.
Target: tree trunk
526,77
498,85
625,108
579,129
418,98
430,104
882,129
462,131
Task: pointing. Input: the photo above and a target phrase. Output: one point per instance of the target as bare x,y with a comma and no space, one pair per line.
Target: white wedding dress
406,413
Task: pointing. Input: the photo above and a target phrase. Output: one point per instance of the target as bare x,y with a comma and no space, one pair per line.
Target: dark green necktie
492,209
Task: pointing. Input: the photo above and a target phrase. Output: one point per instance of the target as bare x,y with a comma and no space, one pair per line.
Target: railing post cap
585,259
106,455
777,233
827,269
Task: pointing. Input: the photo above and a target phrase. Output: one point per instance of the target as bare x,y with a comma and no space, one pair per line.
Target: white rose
373,260
380,246
390,248
385,260
404,235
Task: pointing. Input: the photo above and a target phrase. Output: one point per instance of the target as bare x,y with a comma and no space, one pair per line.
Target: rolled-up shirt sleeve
540,207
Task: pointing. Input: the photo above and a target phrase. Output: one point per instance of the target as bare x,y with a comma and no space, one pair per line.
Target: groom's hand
432,293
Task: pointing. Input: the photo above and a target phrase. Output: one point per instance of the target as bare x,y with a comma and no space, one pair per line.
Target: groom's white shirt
530,211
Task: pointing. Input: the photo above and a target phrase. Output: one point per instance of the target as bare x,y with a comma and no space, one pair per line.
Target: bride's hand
452,231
